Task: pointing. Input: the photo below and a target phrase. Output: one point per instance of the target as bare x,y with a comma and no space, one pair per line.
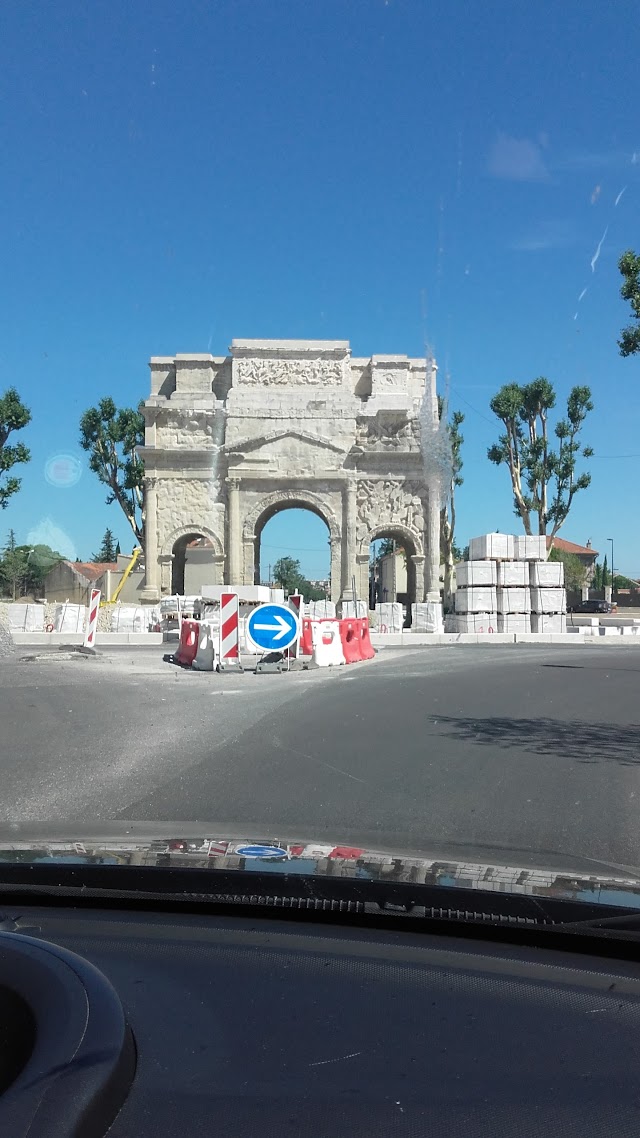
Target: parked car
601,607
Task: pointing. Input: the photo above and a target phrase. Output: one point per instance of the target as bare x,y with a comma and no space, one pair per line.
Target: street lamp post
612,569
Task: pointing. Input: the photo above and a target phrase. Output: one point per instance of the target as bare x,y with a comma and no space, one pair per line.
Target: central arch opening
392,570
293,550
192,564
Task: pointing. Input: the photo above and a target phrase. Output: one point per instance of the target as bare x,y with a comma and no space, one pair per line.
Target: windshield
318,417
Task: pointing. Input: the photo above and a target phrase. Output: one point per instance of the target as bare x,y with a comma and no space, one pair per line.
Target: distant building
585,553
73,580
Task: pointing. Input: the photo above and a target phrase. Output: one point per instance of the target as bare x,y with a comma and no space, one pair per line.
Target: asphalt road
518,748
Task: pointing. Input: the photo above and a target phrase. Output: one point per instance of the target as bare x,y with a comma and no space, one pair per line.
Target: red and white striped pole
92,623
296,601
229,630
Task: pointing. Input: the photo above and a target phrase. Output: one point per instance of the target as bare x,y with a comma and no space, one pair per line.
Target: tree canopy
543,474
107,551
449,552
23,567
288,575
575,574
14,416
111,436
629,265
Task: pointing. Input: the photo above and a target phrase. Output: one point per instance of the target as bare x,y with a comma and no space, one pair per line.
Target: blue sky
384,171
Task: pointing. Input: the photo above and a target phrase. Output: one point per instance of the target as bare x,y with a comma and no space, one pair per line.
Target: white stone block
609,630
514,600
514,622
69,618
480,622
470,573
349,609
512,574
548,600
247,594
553,623
530,548
25,617
546,574
390,616
476,599
496,546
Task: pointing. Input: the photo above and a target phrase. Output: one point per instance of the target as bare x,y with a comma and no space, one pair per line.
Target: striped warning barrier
92,620
229,633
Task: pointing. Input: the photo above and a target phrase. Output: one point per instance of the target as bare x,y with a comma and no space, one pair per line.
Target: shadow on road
581,742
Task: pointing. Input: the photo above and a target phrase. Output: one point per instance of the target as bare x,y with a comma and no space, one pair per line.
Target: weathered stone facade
231,441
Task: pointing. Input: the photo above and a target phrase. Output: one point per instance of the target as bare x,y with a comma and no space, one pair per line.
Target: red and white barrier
327,645
205,657
188,646
350,637
367,651
229,633
92,619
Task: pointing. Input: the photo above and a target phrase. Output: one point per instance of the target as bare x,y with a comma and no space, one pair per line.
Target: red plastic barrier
306,639
188,646
350,638
367,651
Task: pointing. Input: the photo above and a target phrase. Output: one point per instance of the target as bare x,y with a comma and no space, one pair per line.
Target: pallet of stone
548,600
472,573
546,574
528,548
471,622
554,622
513,600
390,616
514,622
492,547
512,574
478,598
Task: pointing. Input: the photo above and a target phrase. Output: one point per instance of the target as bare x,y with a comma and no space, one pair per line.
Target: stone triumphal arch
230,441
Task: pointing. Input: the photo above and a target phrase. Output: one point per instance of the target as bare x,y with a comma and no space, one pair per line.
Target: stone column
432,575
350,515
151,591
419,563
234,537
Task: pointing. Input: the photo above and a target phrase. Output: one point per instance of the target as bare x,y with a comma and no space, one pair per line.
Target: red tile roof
571,547
92,569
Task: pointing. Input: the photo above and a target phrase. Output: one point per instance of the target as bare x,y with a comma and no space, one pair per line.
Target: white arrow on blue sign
273,627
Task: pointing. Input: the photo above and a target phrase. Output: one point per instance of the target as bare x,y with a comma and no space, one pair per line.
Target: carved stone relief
273,372
387,503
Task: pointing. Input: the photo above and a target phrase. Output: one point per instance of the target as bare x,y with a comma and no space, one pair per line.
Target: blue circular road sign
260,851
273,627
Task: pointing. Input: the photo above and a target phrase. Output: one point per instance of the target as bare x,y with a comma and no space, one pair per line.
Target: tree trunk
446,552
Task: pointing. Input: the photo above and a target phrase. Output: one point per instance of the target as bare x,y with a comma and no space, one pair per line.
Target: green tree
605,573
629,265
13,417
287,574
575,574
107,551
543,476
622,582
111,436
23,568
448,511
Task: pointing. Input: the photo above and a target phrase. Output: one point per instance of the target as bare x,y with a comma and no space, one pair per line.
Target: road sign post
273,627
